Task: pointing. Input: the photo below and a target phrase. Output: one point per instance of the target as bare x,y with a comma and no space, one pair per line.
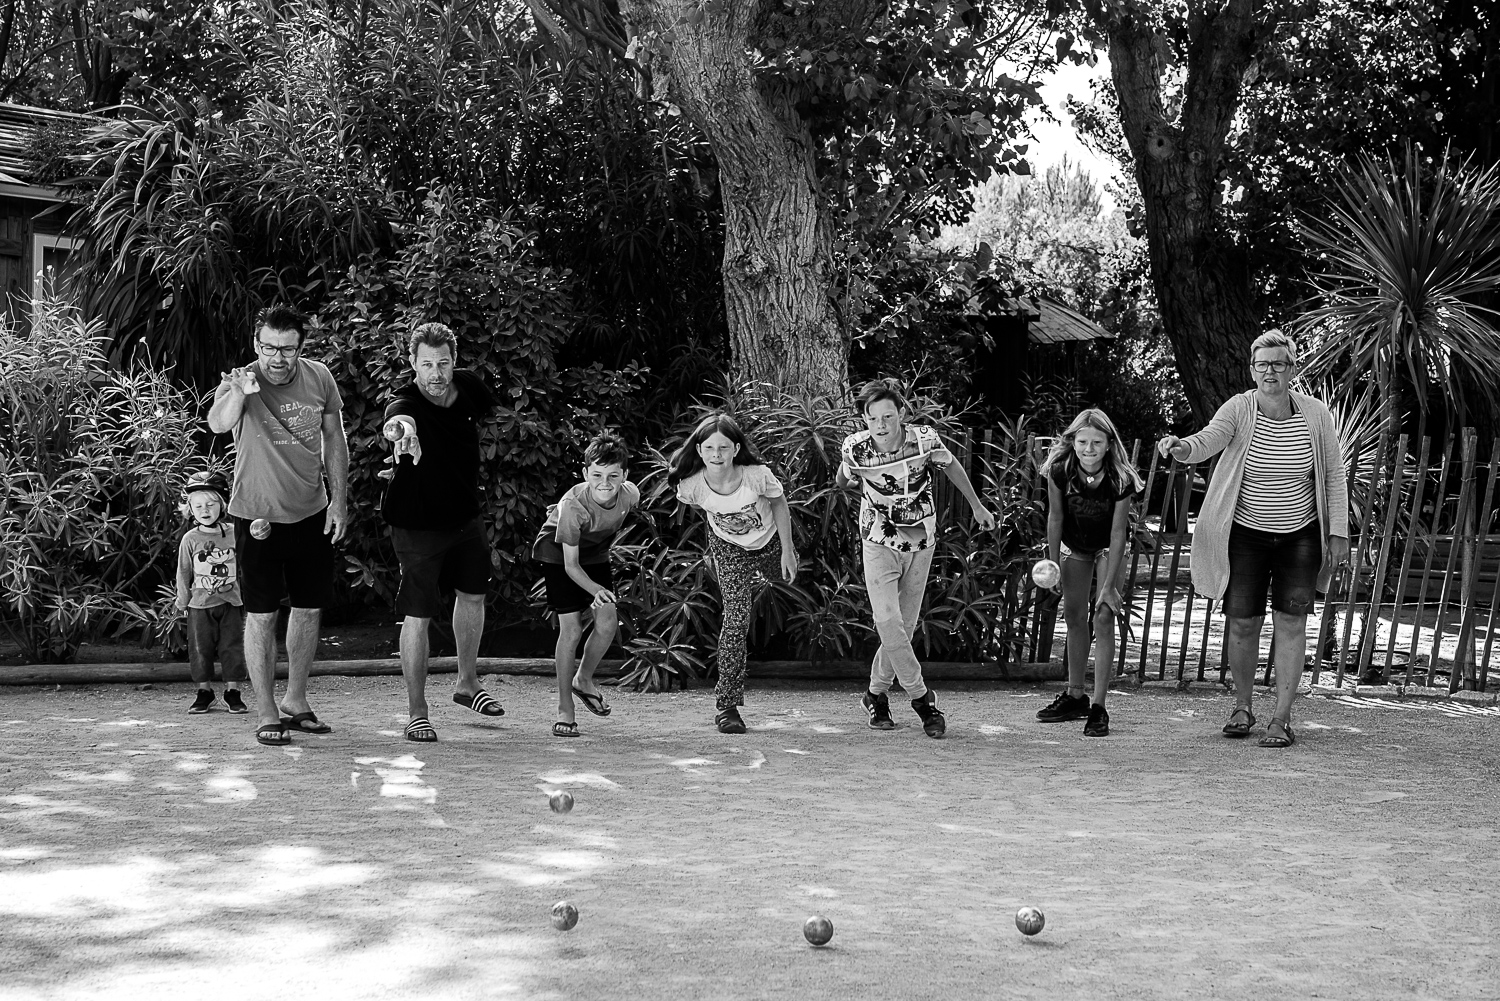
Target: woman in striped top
1275,517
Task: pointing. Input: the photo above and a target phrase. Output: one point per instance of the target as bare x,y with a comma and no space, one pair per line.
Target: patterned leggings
736,569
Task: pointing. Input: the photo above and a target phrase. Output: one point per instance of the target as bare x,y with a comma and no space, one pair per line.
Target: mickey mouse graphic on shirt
214,570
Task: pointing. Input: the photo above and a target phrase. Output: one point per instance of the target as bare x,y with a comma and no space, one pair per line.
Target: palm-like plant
1409,255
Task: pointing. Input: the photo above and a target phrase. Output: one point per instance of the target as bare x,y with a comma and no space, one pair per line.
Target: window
52,254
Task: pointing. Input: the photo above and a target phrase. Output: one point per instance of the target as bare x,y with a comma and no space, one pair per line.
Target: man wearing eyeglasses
285,414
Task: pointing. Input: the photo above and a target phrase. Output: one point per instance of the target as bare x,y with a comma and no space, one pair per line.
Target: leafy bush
477,271
671,612
91,465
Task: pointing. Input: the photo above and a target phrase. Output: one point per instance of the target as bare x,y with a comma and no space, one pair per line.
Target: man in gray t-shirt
285,414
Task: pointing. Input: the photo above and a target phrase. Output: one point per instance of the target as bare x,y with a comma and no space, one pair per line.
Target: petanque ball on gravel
564,915
818,930
1030,920
561,801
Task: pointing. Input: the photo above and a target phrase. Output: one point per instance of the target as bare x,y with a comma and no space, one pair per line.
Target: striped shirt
1277,493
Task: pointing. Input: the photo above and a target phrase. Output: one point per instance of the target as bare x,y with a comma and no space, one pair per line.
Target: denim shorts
1286,563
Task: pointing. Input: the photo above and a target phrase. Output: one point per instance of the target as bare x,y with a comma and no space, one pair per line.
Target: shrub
91,465
670,613
476,270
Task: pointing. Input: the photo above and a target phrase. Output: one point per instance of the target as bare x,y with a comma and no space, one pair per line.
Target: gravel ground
148,853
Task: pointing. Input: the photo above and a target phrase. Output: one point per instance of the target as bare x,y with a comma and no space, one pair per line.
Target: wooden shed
32,216
1035,339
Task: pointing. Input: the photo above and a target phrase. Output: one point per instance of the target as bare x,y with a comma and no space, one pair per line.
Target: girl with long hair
1090,483
718,471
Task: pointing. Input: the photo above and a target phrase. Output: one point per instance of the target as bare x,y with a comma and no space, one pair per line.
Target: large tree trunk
1204,287
784,326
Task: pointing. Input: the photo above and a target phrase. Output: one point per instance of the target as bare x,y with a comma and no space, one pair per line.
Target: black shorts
1285,562
434,561
563,593
295,561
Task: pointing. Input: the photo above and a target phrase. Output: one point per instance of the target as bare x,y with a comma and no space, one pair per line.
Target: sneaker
1098,724
233,701
879,708
1063,708
933,723
200,704
729,721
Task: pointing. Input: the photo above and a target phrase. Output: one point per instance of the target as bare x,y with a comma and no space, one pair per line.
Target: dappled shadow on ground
146,853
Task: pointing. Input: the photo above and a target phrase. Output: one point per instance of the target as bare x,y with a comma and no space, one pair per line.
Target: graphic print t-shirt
278,446
742,517
579,520
441,491
207,574
896,507
1088,512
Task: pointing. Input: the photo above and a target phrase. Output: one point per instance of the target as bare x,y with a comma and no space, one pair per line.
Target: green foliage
91,465
198,216
620,193
1408,259
479,272
908,112
670,612
194,224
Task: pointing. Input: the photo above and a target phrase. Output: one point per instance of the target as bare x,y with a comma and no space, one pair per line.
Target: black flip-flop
593,703
273,735
562,728
481,702
300,721
420,731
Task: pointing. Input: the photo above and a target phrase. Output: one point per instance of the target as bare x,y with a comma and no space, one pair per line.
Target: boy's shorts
434,561
563,593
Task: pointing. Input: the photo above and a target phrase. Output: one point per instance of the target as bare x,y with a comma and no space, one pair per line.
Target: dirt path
146,853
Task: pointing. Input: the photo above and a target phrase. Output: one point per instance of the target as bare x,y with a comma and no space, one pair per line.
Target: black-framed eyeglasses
272,350
1270,366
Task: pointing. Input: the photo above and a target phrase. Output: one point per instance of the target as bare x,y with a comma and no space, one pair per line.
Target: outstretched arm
229,400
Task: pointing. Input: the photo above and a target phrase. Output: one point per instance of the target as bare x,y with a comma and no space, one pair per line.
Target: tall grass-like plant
92,460
1409,260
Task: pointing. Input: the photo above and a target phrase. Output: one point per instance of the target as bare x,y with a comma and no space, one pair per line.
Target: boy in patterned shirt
892,461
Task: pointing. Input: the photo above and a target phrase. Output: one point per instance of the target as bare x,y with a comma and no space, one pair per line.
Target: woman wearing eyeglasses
1275,518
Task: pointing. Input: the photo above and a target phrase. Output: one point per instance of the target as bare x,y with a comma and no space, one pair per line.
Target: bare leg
1290,632
569,629
1244,654
468,627
260,661
1104,651
1077,578
606,624
1104,640
414,664
301,645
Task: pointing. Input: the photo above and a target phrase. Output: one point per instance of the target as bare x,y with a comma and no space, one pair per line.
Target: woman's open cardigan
1230,430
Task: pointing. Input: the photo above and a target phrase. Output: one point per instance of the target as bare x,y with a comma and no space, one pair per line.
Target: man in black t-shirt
433,507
